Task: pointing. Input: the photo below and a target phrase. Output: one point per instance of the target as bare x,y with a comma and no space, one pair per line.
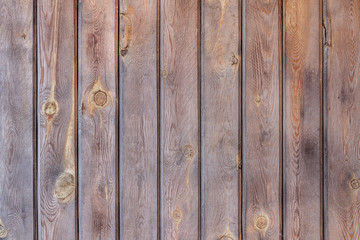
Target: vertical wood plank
180,119
56,129
16,119
302,193
342,50
138,140
262,145
97,120
220,119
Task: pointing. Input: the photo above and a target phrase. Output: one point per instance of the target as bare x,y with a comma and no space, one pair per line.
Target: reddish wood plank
57,145
16,119
302,217
220,120
262,160
343,119
97,120
138,142
180,119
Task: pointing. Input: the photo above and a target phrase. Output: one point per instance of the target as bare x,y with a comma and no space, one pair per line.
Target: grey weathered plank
220,119
56,127
180,119
262,133
16,119
138,123
342,53
97,120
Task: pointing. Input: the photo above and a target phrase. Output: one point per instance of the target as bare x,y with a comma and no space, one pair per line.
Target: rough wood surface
262,160
343,119
220,119
97,120
138,140
57,146
180,119
302,181
16,120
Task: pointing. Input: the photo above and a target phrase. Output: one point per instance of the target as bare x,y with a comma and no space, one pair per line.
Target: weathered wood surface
262,135
342,53
179,119
16,120
97,120
56,129
302,152
138,133
221,99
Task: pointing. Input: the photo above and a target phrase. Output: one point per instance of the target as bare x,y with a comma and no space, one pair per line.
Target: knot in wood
234,60
100,98
3,232
189,151
64,187
261,222
226,238
257,100
177,215
355,184
50,108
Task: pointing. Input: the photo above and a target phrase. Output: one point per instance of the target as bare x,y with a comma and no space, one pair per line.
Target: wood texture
303,165
220,119
57,146
138,141
97,120
16,119
343,119
180,119
262,136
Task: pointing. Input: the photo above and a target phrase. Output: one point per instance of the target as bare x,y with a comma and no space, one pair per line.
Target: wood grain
97,120
302,217
138,140
262,136
343,118
16,119
180,119
56,129
220,119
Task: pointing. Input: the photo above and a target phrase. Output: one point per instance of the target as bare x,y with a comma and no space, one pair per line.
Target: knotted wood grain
16,119
57,131
221,101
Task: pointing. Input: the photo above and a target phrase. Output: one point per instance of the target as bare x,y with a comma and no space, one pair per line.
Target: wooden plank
262,135
302,181
342,52
56,130
16,119
220,120
180,119
97,120
138,142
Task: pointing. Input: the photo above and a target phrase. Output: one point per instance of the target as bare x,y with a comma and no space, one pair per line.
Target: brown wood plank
180,119
220,119
57,144
138,141
343,118
16,119
97,120
302,192
262,136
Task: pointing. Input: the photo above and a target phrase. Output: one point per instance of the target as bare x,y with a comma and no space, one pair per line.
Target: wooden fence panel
56,130
342,53
302,118
180,119
262,109
221,166
139,119
17,75
98,120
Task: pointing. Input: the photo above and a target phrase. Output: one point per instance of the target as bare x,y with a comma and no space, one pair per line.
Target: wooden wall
180,119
